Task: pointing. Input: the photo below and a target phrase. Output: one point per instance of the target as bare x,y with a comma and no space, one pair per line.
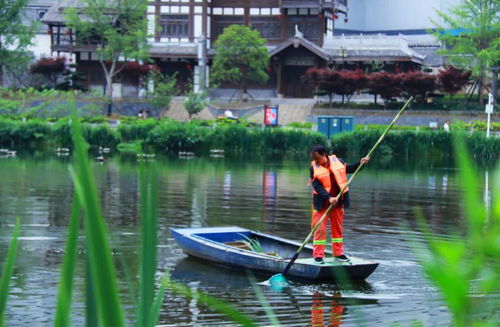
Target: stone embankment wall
304,111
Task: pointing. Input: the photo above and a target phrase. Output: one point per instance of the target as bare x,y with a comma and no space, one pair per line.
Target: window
174,26
269,27
40,13
221,22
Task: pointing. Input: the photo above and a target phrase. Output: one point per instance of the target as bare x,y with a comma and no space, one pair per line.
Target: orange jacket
322,174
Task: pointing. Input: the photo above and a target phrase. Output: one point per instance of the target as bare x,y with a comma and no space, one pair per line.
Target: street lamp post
489,111
343,54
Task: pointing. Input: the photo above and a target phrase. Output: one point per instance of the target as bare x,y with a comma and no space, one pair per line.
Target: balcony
301,3
342,4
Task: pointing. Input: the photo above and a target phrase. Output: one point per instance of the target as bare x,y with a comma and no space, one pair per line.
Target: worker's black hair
318,148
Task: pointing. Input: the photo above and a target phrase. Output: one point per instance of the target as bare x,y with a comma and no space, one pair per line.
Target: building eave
296,41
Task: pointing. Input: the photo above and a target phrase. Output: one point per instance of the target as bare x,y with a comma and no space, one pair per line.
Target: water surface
267,195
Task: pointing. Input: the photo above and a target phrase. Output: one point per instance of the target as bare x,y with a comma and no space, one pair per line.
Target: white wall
41,46
393,15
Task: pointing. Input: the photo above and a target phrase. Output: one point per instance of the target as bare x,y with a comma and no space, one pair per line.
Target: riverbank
199,136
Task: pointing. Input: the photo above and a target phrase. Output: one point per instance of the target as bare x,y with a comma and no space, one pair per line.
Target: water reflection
334,308
317,304
269,191
189,270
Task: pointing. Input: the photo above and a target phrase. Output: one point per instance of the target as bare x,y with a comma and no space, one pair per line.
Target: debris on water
6,153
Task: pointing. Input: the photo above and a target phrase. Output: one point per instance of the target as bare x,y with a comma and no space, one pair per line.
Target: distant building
35,11
41,45
300,34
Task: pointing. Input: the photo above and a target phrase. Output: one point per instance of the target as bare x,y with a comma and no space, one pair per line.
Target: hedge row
168,135
412,144
159,135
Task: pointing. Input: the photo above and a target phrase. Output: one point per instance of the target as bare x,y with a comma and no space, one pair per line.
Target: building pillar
199,75
280,93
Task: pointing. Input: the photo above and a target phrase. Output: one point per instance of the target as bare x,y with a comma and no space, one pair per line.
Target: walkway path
302,110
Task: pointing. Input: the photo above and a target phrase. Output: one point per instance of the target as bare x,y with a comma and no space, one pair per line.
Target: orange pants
336,218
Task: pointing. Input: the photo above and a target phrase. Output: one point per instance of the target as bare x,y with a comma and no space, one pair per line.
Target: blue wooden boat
230,246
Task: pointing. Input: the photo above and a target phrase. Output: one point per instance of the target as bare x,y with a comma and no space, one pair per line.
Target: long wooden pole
296,255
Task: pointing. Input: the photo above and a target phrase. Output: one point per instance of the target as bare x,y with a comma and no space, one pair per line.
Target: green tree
194,103
470,33
164,89
117,30
15,36
240,58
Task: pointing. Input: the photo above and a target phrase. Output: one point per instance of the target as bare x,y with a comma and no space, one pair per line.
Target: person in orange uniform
328,176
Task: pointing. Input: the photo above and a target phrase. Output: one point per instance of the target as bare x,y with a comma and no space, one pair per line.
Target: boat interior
255,242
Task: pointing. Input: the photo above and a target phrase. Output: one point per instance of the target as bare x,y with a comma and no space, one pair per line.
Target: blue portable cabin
331,125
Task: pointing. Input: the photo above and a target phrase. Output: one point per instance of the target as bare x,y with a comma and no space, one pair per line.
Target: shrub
99,119
195,102
232,137
165,87
175,136
9,106
201,122
61,134
101,136
136,130
425,144
24,136
300,125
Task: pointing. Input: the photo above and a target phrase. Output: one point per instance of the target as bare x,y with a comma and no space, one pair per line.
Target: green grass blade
253,244
476,213
211,302
91,318
149,241
63,309
495,212
155,308
102,270
8,269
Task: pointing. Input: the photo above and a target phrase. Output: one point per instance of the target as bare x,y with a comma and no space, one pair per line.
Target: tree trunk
244,85
480,88
109,94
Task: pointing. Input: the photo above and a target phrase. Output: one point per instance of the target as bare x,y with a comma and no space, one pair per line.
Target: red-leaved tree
312,76
50,68
415,83
135,70
324,80
385,84
452,79
350,82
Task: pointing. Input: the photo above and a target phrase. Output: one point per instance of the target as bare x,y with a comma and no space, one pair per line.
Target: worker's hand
333,200
365,160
